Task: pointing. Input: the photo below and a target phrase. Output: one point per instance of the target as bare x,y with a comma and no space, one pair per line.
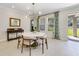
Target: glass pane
42,24
77,26
70,26
51,24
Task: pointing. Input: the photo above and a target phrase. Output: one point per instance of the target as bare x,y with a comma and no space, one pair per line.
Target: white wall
5,14
63,25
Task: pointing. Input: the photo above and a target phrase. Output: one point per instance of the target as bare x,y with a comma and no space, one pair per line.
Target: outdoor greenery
70,31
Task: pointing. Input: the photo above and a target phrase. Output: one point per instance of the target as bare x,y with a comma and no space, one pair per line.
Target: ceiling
39,8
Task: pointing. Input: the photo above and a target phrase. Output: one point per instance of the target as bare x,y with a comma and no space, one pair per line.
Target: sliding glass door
70,26
77,26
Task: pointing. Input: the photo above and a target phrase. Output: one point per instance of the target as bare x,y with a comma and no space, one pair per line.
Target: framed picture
14,22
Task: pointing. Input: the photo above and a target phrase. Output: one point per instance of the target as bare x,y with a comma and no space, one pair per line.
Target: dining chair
19,41
44,40
30,42
22,40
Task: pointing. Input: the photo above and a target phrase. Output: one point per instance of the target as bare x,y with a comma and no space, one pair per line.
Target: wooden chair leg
42,46
46,43
18,43
29,47
36,43
22,45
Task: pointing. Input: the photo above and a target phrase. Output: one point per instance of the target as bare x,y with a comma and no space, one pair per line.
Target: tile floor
56,48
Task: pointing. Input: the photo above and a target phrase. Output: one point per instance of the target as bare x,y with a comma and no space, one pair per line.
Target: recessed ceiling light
28,8
26,16
29,12
40,12
13,6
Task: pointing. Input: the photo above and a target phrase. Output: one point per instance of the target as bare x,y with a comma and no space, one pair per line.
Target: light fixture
33,12
33,4
30,11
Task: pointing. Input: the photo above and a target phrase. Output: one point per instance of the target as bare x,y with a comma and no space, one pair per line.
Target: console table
13,30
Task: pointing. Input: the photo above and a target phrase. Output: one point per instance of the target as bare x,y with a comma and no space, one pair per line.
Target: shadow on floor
72,38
